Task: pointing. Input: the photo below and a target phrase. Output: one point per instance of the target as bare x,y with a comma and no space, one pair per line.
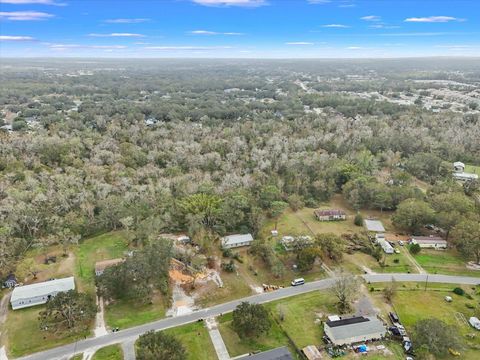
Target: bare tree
345,288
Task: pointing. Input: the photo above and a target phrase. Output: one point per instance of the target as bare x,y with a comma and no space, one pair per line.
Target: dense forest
163,146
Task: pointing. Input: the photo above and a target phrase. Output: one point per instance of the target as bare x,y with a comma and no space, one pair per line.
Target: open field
24,336
234,287
444,262
112,352
236,346
103,247
357,262
196,341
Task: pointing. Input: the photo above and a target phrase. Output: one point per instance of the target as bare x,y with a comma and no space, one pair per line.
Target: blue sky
239,28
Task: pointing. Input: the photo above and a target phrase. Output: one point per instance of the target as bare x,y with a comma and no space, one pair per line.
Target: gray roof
281,353
354,327
374,225
237,239
43,289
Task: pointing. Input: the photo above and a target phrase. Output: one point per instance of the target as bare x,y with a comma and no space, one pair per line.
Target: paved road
66,351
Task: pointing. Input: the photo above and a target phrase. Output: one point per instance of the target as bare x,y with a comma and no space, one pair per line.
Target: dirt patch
473,266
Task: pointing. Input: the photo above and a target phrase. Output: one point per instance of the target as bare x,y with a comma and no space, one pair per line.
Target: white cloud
82,46
319,1
354,48
300,43
339,26
207,32
15,38
127,21
371,18
433,19
24,15
186,48
116,35
31,2
383,26
242,3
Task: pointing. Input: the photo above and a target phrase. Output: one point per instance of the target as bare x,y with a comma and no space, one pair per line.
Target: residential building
281,353
429,242
39,293
330,215
374,225
237,240
383,243
354,330
100,266
463,176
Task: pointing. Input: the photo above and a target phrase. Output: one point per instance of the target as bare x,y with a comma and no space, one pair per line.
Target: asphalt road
67,351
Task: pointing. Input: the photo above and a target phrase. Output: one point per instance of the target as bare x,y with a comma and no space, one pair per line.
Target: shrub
227,253
415,249
228,267
396,261
358,220
459,291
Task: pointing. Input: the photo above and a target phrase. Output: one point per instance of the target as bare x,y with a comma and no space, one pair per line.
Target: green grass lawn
236,346
23,335
196,341
412,303
112,352
299,314
103,247
354,262
443,262
128,313
474,169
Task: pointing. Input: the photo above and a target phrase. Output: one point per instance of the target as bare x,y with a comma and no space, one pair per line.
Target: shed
237,240
100,266
311,352
463,176
374,225
429,242
281,353
354,330
39,293
10,282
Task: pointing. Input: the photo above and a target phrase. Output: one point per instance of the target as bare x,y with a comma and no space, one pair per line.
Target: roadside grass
354,262
234,287
112,352
127,313
103,247
444,262
23,334
412,303
299,314
237,346
196,340
77,357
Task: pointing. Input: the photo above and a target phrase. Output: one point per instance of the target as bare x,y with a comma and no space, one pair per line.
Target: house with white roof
39,293
237,240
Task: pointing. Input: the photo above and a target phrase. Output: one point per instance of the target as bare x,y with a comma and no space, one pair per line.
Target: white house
429,242
463,176
354,330
39,293
387,248
237,240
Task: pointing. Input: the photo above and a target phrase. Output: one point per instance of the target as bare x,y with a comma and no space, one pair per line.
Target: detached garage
39,293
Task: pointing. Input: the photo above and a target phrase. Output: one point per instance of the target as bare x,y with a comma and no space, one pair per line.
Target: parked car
299,281
401,243
394,317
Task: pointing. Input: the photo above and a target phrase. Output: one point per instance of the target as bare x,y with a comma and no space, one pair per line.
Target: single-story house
429,242
10,282
237,240
330,215
100,266
281,353
385,245
458,166
463,176
39,293
311,352
354,330
374,225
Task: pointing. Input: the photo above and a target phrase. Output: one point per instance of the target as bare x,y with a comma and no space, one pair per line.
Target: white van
299,281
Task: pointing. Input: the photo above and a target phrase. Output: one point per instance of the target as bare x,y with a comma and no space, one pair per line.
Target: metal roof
374,225
43,289
237,239
328,212
280,353
354,327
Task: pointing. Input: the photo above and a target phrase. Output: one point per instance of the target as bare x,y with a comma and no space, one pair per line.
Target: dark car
394,317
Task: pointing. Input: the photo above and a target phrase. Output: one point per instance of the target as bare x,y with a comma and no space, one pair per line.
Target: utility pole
426,283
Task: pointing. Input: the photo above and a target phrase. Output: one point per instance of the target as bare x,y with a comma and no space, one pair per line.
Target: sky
239,28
